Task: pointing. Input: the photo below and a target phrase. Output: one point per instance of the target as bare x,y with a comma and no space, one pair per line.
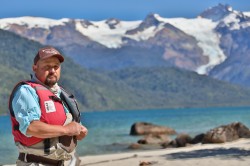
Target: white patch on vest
49,106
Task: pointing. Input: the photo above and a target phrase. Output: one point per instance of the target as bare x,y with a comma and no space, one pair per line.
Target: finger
84,129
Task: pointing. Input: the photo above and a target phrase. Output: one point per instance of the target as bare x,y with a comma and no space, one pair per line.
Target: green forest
127,89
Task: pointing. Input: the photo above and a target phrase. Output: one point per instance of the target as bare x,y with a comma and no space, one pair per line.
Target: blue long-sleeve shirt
26,107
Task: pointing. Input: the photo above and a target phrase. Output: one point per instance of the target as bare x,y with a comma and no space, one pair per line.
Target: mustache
51,74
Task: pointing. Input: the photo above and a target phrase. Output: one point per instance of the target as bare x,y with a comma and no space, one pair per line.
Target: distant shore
226,154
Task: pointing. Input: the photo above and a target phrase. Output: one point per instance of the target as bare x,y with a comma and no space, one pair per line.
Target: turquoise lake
109,131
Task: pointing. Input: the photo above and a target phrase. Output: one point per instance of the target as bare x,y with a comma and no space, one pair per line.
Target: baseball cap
47,52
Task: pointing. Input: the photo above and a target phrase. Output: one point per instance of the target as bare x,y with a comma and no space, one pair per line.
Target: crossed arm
42,130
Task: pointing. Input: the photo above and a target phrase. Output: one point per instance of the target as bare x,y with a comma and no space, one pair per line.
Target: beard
51,80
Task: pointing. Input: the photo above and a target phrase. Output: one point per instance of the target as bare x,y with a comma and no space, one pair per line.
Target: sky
96,10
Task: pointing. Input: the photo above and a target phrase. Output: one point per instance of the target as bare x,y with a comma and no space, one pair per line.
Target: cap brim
60,57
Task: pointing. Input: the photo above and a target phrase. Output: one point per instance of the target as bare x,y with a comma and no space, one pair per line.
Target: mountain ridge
99,34
209,44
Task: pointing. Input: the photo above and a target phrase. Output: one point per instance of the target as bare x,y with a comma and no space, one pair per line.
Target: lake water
109,131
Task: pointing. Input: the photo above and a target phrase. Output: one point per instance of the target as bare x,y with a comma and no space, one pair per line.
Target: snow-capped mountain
205,44
98,44
234,32
246,14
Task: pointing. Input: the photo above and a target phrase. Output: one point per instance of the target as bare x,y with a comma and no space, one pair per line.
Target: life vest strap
46,143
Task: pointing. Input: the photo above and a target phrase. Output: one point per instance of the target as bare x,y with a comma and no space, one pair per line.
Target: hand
82,134
73,129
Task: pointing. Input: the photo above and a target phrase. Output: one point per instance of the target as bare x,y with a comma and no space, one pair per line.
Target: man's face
48,70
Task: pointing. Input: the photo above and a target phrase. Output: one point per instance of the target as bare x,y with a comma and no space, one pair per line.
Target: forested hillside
126,89
93,91
179,88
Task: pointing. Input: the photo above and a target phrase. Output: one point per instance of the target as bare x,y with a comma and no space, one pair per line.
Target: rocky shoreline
233,153
160,135
158,147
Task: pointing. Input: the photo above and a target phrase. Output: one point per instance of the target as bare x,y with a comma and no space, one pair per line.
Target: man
45,118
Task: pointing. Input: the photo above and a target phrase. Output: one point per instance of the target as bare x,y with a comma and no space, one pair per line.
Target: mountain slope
134,88
93,91
215,43
234,29
162,41
178,88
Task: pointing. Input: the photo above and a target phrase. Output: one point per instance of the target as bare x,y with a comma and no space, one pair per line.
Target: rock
146,163
154,139
143,128
134,146
180,141
226,133
197,139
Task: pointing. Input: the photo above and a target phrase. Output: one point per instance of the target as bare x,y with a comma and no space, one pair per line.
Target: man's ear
34,68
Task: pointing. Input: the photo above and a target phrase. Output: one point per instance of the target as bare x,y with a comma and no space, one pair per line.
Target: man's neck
54,89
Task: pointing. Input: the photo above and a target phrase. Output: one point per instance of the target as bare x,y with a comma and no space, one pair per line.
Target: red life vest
52,112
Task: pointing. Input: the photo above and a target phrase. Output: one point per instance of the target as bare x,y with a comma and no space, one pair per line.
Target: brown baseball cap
47,52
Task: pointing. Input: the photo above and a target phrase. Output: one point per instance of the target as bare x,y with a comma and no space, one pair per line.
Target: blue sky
103,9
